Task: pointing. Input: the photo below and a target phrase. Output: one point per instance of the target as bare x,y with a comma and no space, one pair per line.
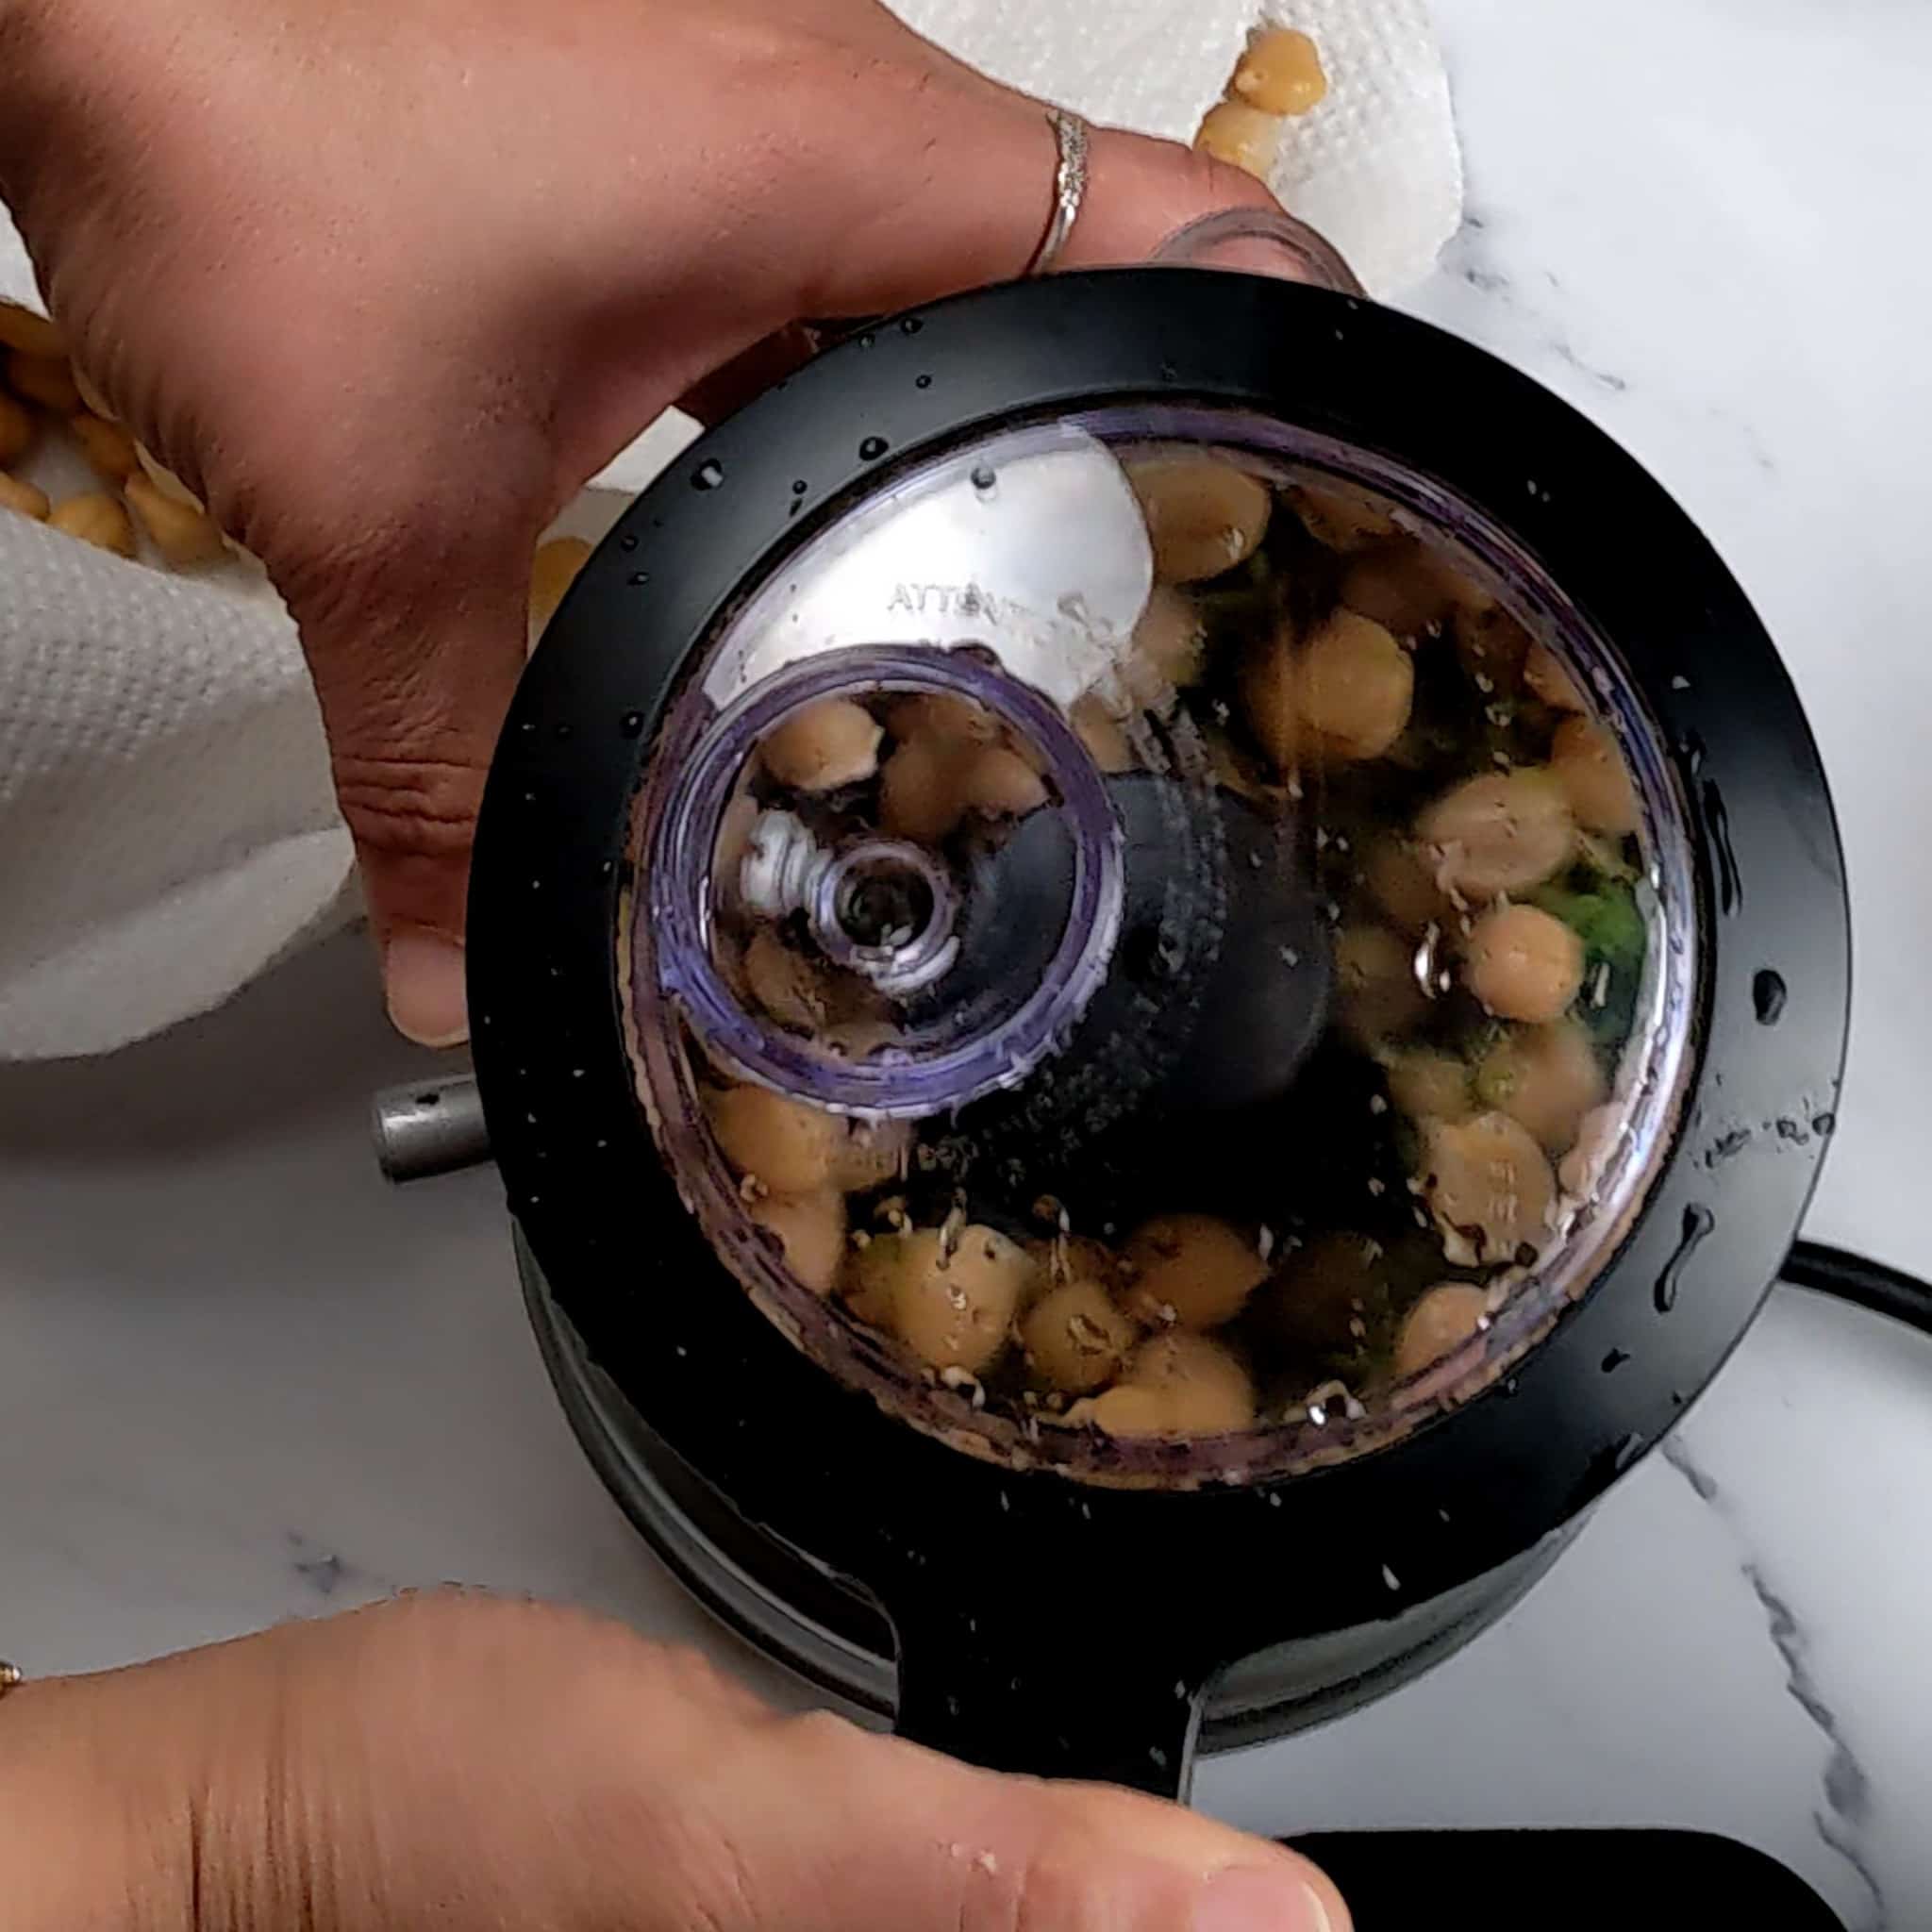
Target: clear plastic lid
1163,948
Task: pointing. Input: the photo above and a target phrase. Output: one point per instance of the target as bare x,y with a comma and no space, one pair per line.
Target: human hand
387,280
459,1760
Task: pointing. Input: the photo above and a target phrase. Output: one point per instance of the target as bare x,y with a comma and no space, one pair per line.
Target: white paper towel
167,828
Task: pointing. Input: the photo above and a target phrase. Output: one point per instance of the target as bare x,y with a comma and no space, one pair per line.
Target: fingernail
1252,1899
423,975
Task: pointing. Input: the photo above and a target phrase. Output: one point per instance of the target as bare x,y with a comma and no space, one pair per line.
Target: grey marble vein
1847,1785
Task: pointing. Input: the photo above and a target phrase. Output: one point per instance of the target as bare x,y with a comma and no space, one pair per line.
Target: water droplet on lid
1615,1360
799,486
1825,1124
910,325
628,541
638,578
1389,1578
1698,1225
563,731
708,475
922,382
1768,997
985,477
631,724
872,449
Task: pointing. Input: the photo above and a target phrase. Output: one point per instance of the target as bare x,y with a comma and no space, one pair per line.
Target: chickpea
1401,586
1403,883
1523,964
832,743
109,448
1191,1270
1077,1339
786,984
952,1308
1280,74
1490,1188
1170,642
1594,777
96,517
552,569
184,535
1177,1385
790,1147
1493,646
165,480
1548,676
1204,516
1353,687
920,792
1000,783
16,430
1501,832
940,714
1375,976
43,380
1596,1139
1430,1085
1243,136
1076,1258
1270,697
1545,1077
1438,1325
872,1153
1102,733
23,499
1341,520
811,1232
29,334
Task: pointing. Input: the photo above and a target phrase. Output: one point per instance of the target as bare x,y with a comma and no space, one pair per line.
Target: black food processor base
1535,1881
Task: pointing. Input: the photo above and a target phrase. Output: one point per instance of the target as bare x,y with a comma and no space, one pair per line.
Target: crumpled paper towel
166,827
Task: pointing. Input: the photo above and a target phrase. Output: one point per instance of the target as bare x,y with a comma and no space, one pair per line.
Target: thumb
921,1844
415,662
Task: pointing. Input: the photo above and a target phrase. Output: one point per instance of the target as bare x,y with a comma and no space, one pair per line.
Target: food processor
1157,963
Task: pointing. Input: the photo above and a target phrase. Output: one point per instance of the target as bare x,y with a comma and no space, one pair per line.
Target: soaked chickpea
108,447
16,430
1077,1339
1492,648
553,569
1594,777
1280,74
1401,586
1169,642
1548,676
1204,517
23,499
872,1153
96,517
785,1146
1375,976
786,984
1102,733
1245,137
1439,1324
921,795
1595,1141
1429,1086
1403,883
1545,1077
954,1307
811,1232
1353,687
823,746
43,380
1000,783
1340,521
1490,1187
938,714
1176,1385
1076,1258
29,334
1501,832
1523,964
1190,1270
185,536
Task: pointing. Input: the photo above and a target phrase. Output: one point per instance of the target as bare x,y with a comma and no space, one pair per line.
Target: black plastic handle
1060,1690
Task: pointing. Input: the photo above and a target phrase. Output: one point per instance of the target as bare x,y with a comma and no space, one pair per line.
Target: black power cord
1867,1284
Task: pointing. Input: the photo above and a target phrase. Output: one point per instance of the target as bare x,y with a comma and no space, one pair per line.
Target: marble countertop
241,1380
